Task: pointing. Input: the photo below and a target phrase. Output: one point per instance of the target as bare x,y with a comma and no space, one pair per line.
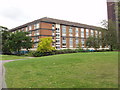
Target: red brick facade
49,29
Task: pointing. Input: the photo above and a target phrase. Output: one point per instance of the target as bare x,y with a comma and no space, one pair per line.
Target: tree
119,23
45,45
4,45
20,40
109,36
93,42
119,12
14,42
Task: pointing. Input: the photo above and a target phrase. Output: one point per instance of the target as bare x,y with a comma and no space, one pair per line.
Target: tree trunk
111,49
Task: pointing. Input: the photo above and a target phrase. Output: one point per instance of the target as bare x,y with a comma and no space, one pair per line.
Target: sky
14,13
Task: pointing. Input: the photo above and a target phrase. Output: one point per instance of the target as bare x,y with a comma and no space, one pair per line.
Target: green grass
11,57
76,70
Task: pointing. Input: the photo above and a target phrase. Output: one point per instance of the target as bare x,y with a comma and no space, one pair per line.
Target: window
53,26
26,29
35,45
30,33
57,41
92,33
82,42
30,27
57,35
22,29
96,34
77,42
64,30
63,40
76,30
36,32
100,34
71,42
87,33
36,26
36,39
18,30
82,32
57,30
64,44
70,30
57,47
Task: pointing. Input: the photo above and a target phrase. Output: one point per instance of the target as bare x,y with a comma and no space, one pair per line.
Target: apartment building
65,34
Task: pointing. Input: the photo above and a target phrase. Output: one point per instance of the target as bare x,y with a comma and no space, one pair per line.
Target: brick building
111,10
65,34
113,14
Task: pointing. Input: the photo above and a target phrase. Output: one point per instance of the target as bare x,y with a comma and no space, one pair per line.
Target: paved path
2,72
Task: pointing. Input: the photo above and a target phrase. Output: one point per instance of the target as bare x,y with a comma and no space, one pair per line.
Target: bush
39,54
65,51
79,50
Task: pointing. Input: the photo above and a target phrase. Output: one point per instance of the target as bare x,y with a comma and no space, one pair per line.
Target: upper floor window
22,29
30,27
100,34
36,26
87,33
53,26
82,32
92,33
76,30
19,30
70,30
57,30
96,34
26,29
63,29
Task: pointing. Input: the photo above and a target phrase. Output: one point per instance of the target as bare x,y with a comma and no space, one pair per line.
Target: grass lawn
11,57
76,70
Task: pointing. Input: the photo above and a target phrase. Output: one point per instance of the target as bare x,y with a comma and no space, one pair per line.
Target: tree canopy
14,42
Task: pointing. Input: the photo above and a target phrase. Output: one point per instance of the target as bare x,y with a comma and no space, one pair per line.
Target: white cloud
17,12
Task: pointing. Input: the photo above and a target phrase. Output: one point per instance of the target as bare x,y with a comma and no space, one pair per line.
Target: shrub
39,54
45,45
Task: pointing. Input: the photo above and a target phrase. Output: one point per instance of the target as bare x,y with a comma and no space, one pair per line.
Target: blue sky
17,12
